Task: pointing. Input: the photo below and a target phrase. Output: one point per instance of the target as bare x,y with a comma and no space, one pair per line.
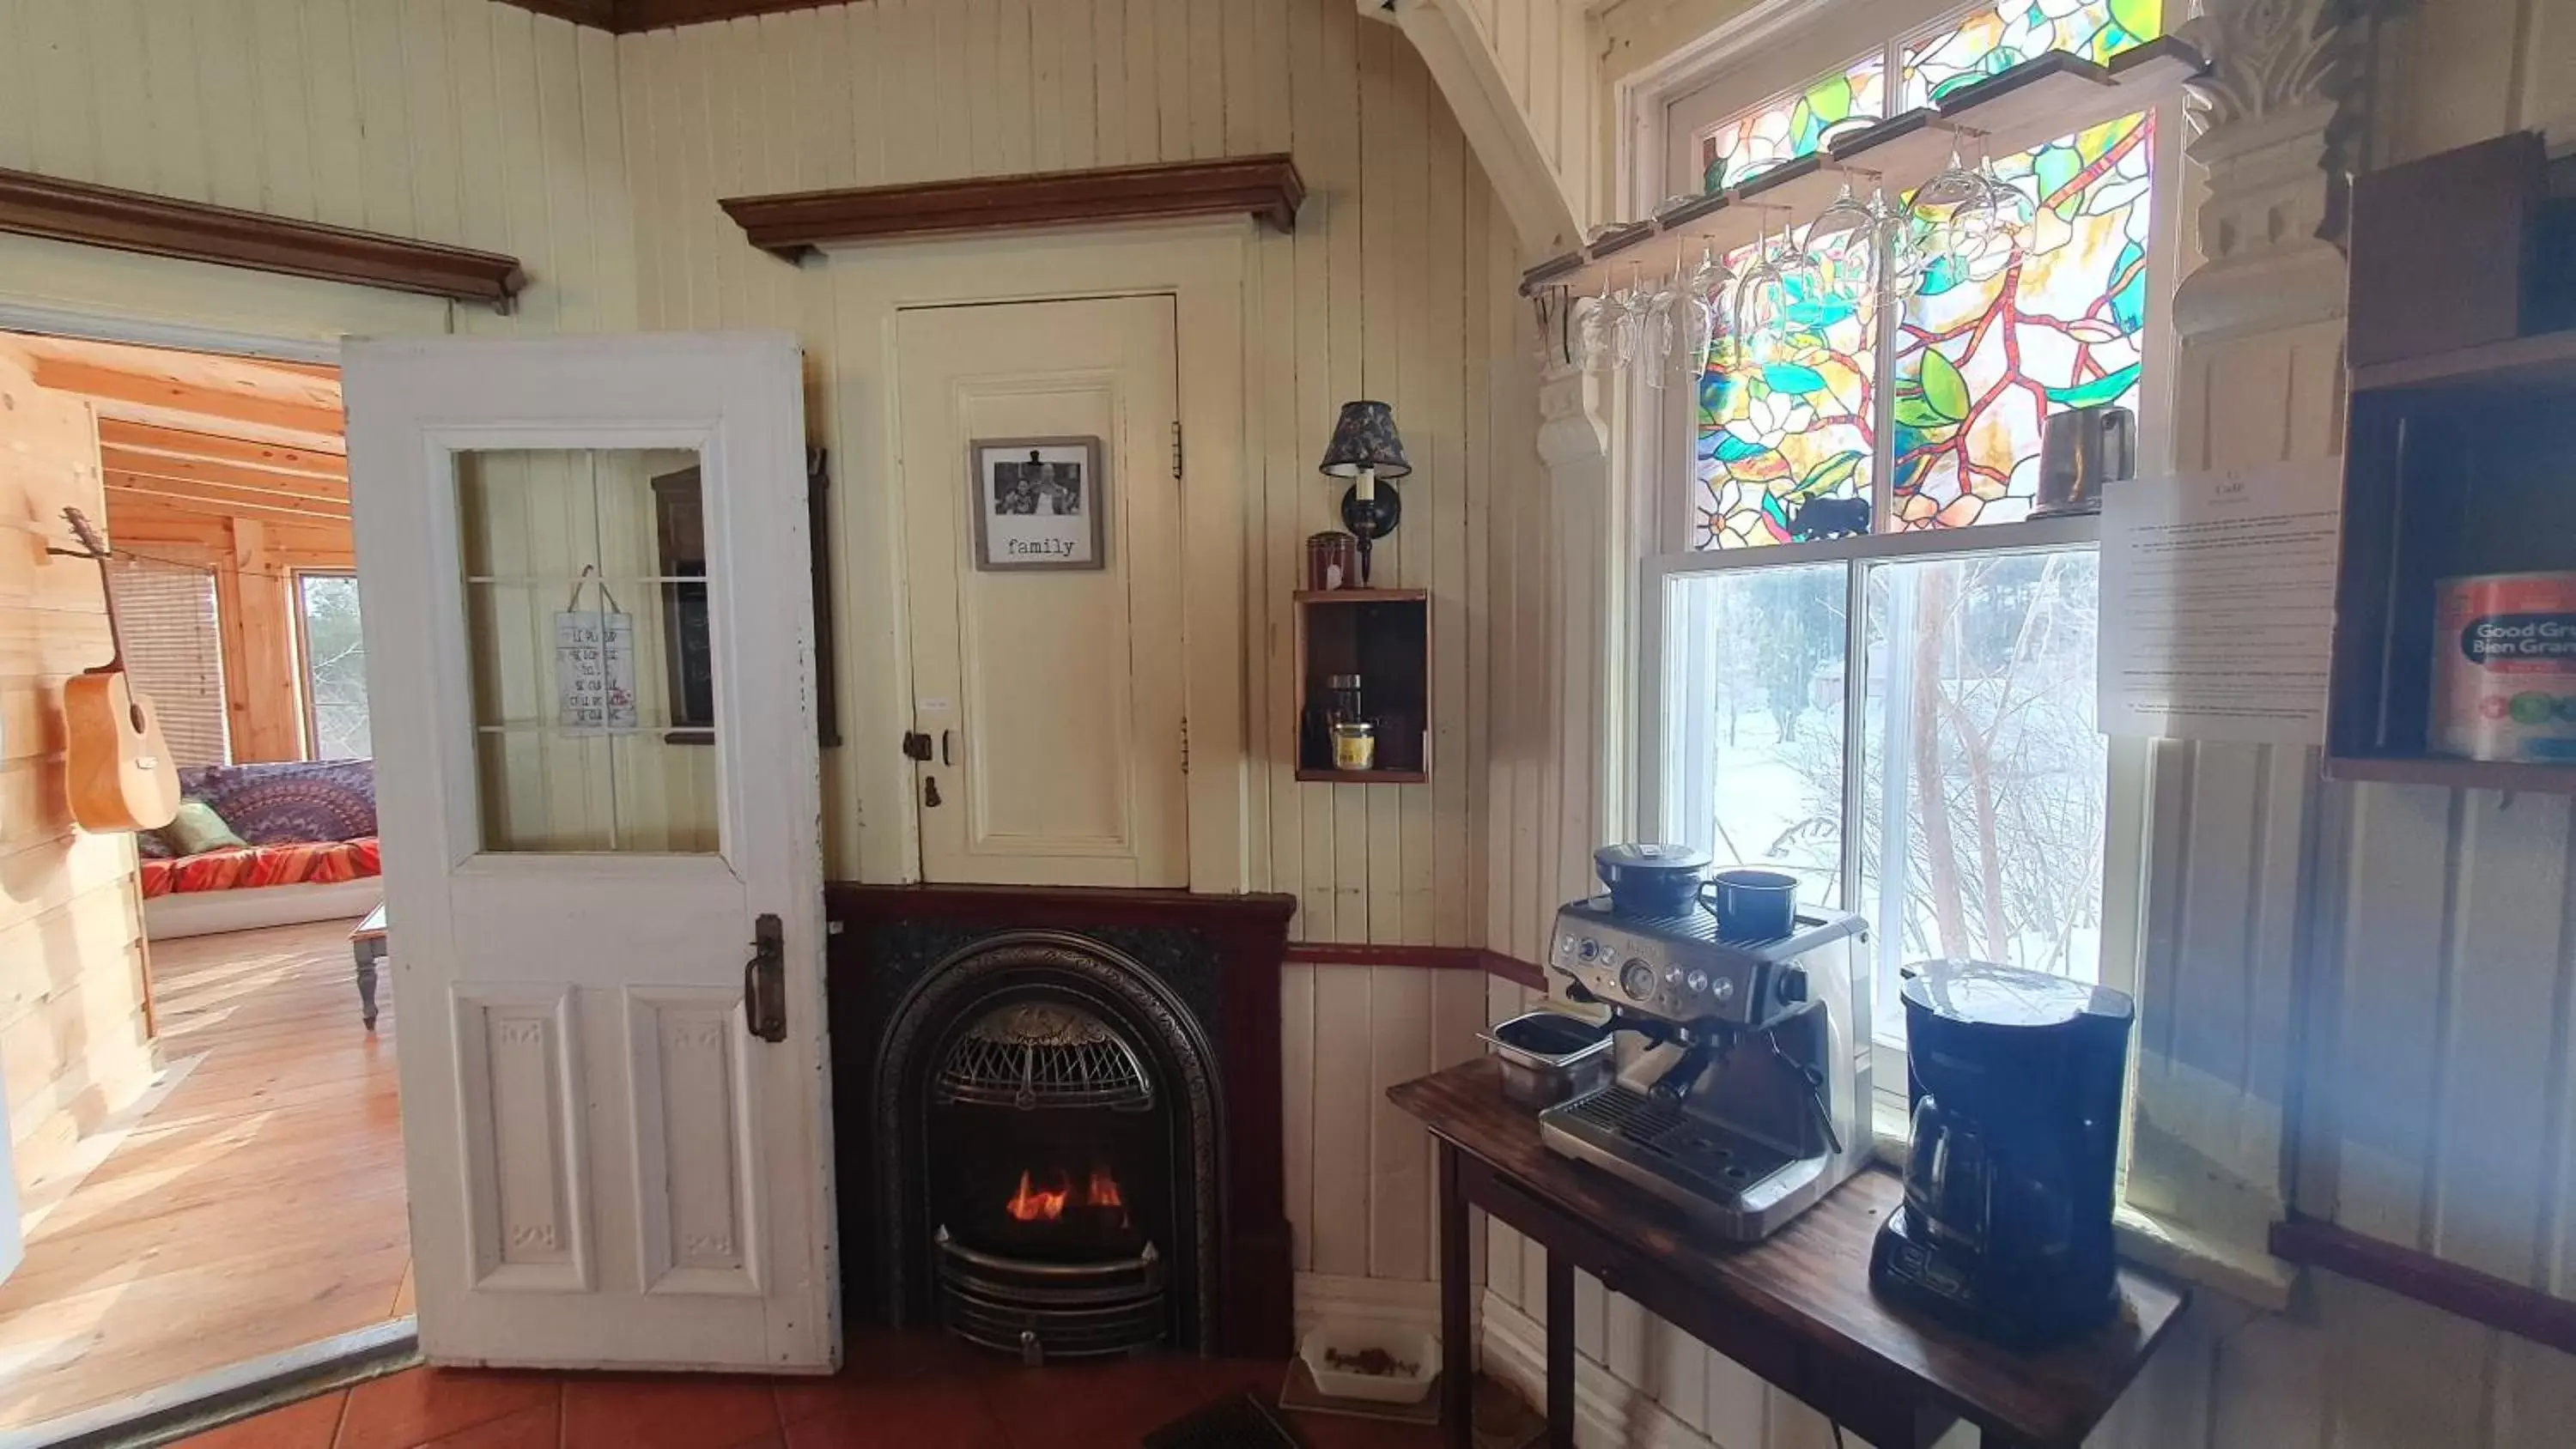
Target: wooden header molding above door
794,224
137,221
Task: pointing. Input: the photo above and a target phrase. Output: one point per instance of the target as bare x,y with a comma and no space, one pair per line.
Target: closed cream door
1051,695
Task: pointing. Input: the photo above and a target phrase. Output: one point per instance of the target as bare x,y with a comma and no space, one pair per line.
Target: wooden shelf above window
2041,97
160,226
792,225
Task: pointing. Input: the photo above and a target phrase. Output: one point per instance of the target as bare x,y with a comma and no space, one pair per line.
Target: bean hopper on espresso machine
1752,1102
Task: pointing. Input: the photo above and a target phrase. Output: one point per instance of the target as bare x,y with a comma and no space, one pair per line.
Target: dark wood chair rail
2498,1303
793,224
159,226
1795,1308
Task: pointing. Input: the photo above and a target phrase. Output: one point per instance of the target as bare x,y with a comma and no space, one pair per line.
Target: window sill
2254,1278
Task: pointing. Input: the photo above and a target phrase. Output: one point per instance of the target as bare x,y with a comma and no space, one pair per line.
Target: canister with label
2504,667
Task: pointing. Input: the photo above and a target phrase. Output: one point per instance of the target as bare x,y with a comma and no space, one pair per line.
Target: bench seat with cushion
310,853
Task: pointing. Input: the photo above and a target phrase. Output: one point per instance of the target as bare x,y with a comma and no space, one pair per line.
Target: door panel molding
527,1191
697,1191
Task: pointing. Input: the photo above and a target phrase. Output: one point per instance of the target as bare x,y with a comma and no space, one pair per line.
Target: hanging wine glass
1702,311
1660,325
1952,214
1762,300
1841,252
1596,330
2010,216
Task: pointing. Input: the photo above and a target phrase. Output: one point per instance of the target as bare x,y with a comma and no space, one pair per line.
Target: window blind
174,652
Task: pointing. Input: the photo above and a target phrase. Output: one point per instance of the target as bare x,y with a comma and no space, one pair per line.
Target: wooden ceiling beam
239,452
216,498
207,470
114,391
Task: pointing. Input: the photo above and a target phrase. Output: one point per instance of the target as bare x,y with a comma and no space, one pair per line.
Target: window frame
1773,51
304,652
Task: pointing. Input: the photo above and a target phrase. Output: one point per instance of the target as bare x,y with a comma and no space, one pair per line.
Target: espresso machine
2015,1078
1753,1099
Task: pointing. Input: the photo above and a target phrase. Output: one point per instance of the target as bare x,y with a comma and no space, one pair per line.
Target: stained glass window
1996,38
1980,363
1786,422
1797,124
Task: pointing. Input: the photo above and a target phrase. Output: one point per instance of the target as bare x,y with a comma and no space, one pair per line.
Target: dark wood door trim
161,226
793,224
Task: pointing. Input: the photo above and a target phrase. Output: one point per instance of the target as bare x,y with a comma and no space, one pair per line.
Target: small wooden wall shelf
792,225
1384,637
136,221
2461,456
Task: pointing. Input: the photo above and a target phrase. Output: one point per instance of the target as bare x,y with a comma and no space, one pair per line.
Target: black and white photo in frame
1038,503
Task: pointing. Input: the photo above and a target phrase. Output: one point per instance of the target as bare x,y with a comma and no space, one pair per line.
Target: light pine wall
72,1017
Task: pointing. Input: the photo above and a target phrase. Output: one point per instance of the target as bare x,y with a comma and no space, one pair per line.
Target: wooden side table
1795,1308
367,947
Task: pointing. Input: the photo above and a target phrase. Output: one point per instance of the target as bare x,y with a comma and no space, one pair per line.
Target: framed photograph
1038,503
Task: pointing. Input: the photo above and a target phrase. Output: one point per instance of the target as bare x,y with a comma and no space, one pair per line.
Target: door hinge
1185,745
764,980
1176,449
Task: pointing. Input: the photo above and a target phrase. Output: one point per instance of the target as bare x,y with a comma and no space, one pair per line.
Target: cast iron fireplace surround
1145,1185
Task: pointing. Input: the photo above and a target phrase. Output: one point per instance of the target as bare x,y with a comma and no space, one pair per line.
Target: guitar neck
115,632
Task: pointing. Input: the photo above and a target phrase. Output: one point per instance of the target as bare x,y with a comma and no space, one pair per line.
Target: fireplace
1047,1143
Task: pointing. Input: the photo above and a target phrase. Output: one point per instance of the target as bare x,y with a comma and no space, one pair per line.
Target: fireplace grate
1042,1310
1033,1054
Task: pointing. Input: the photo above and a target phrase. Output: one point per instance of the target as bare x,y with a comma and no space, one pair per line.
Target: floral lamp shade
1364,441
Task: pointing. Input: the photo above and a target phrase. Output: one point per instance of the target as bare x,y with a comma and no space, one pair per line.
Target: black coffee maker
2015,1078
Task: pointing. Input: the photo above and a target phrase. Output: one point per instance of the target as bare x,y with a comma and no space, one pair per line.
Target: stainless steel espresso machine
1753,1101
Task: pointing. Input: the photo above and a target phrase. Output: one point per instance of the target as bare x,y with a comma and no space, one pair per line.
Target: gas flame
1034,1204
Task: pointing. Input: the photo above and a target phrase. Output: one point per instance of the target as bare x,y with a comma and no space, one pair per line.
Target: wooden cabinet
2460,458
1384,637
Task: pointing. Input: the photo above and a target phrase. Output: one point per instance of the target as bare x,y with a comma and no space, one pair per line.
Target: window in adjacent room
1903,717
335,666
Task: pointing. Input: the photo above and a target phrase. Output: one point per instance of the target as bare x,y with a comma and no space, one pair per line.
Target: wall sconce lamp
1366,450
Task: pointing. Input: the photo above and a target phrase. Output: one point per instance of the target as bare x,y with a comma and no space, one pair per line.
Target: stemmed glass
1842,250
1703,311
1762,297
1952,216
1597,332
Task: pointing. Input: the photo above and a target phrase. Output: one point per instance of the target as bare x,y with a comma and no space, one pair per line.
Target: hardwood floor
258,1207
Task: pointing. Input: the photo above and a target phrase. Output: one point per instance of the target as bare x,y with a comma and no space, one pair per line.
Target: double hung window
1890,695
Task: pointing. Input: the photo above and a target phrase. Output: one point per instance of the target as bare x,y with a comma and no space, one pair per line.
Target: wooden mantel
794,224
160,226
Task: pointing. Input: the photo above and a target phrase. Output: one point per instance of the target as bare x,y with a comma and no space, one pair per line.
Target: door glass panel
589,643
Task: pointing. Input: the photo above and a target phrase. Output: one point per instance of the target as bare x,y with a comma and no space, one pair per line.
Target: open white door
596,773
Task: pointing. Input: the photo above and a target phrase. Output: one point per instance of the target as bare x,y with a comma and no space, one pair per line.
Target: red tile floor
898,1392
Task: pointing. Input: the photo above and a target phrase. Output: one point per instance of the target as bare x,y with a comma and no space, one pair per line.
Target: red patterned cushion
326,862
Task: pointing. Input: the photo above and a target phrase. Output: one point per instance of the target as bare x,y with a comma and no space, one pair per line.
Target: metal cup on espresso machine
2080,451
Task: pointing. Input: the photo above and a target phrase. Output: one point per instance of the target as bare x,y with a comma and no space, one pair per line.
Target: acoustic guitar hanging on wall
119,776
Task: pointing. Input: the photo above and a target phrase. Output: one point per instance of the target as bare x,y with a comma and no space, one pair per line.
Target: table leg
1457,1353
1560,1352
366,985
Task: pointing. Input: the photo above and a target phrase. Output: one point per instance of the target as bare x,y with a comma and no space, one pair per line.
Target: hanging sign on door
595,665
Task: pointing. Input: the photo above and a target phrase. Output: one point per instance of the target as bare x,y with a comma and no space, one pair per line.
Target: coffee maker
2016,1079
1752,1101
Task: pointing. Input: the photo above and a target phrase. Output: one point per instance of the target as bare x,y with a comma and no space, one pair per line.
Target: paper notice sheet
2218,603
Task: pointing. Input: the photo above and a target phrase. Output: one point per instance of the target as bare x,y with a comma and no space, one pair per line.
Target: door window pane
1985,780
589,645
335,666
1753,764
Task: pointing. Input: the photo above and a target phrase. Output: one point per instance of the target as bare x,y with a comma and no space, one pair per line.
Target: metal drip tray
1727,1179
